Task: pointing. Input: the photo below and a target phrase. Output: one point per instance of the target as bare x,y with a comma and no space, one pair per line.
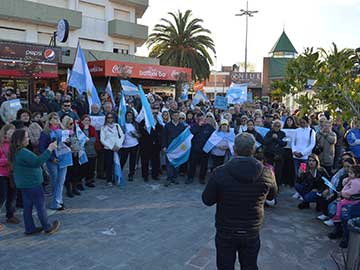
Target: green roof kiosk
274,66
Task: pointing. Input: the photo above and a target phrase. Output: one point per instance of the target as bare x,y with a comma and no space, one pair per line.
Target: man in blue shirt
353,138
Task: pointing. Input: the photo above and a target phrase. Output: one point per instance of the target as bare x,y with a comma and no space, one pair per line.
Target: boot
69,191
338,231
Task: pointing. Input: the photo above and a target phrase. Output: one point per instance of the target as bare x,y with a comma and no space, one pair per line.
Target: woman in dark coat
288,170
274,145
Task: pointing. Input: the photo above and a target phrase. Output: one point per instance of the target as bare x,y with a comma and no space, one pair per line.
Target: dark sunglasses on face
67,106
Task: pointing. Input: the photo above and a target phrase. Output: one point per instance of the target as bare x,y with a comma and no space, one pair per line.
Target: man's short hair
245,144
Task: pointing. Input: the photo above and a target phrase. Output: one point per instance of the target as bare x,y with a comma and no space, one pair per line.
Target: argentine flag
262,130
178,151
184,96
119,178
129,88
237,93
149,118
81,78
122,111
108,90
199,96
82,140
218,136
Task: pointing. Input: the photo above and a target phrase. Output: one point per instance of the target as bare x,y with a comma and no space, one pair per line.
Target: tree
335,84
183,42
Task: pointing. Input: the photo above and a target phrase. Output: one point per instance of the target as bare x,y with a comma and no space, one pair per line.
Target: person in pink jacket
7,188
351,186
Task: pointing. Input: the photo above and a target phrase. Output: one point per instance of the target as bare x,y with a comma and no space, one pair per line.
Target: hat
224,122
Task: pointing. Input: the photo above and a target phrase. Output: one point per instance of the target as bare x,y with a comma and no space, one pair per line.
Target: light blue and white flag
262,130
185,93
329,184
108,90
149,118
216,137
122,111
129,88
199,96
237,93
179,149
62,152
119,178
82,141
81,78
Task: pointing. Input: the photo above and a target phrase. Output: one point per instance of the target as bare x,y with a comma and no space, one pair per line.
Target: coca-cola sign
29,52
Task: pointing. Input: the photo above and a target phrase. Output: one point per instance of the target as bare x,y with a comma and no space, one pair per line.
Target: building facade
274,66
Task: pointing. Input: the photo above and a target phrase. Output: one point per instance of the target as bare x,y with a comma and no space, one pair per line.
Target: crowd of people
301,150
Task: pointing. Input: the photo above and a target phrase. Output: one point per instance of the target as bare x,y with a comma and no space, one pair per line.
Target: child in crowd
351,187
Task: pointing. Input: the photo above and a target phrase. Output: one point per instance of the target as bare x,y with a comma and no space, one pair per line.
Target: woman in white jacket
112,138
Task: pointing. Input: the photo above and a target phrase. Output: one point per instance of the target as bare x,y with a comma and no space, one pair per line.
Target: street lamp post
247,13
215,90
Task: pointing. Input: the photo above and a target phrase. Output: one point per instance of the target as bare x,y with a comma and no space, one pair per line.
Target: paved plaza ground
149,226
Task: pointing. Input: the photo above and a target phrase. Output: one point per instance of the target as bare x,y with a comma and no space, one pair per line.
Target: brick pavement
149,226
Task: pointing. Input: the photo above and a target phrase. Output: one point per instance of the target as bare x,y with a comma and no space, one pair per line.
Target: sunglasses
181,118
67,106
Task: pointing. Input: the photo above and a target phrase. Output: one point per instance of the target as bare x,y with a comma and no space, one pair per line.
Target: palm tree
183,43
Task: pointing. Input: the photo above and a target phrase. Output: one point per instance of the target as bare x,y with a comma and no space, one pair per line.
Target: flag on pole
82,140
119,178
81,78
129,88
122,111
179,149
108,90
149,118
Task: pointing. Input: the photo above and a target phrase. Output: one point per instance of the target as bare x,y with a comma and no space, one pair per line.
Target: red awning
110,68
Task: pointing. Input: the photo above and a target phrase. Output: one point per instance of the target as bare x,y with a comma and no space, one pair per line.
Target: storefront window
21,87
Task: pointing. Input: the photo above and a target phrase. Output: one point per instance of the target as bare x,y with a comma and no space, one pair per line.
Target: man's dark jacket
239,189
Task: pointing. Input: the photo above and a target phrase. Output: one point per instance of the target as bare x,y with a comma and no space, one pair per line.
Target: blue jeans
308,196
170,170
8,195
57,179
297,163
34,197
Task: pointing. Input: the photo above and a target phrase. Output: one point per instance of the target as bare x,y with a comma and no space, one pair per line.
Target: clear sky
308,23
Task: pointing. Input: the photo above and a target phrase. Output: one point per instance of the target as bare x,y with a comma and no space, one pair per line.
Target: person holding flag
112,138
150,147
131,144
202,131
171,132
92,146
220,142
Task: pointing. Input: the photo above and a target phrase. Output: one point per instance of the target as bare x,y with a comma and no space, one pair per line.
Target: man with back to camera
239,189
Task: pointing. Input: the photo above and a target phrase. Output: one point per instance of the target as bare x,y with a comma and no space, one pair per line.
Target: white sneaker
329,223
110,184
296,195
322,217
270,203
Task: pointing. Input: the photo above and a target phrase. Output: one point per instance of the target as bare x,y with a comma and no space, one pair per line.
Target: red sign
109,68
29,52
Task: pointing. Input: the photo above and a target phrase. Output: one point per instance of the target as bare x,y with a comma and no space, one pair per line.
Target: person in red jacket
7,188
91,148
